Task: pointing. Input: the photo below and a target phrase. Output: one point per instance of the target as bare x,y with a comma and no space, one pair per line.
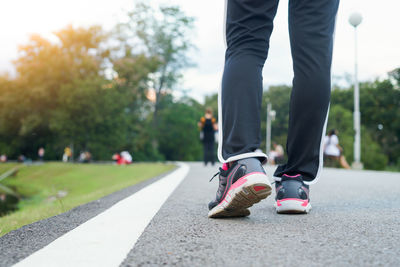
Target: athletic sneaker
241,185
292,195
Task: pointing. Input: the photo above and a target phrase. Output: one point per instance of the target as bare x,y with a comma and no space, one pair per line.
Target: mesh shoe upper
230,176
292,187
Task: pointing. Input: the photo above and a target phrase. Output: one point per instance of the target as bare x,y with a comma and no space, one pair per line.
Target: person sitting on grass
333,152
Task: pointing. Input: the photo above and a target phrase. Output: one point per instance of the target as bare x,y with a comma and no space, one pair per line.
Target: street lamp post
270,117
355,20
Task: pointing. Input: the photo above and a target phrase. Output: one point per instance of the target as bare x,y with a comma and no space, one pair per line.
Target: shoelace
214,176
220,172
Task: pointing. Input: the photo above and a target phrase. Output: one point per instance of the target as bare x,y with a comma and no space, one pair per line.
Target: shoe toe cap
212,204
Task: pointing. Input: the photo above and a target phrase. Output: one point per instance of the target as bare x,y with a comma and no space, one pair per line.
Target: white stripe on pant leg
220,134
321,154
321,151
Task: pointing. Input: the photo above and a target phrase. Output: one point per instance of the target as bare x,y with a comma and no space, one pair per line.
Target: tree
279,97
179,135
84,91
372,155
61,96
380,109
395,75
163,35
212,102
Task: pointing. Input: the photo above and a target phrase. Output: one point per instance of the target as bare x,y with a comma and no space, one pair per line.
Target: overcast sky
379,38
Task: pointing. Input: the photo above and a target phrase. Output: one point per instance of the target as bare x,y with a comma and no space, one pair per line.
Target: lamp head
355,19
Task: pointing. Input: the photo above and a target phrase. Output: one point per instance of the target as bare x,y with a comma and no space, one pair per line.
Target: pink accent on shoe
259,188
229,176
238,183
292,176
225,166
242,180
304,202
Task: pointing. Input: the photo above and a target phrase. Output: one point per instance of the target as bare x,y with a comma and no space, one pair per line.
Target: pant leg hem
278,179
257,154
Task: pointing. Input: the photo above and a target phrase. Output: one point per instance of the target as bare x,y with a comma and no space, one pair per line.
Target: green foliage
279,97
178,134
60,98
341,119
380,109
380,106
372,155
92,89
394,75
164,35
88,121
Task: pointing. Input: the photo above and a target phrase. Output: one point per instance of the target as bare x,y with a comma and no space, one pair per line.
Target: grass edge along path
53,188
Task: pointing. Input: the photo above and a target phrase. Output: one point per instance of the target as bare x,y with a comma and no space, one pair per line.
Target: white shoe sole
244,193
292,206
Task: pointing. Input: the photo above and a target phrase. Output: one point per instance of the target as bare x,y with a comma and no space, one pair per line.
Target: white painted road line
106,239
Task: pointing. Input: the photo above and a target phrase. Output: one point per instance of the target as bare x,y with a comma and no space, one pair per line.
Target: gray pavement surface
18,244
355,221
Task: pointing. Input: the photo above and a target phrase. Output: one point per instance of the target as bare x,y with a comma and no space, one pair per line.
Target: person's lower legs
205,154
212,152
248,28
311,26
209,153
243,181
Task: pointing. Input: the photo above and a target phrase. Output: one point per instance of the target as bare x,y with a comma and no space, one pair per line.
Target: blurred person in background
88,157
122,158
21,158
3,158
117,159
333,152
67,154
208,127
85,157
82,157
127,157
276,156
41,152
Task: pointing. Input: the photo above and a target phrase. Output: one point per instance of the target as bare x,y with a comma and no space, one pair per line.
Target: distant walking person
242,179
41,152
333,151
208,126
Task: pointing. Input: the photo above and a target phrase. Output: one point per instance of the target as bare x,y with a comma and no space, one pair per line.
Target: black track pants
249,24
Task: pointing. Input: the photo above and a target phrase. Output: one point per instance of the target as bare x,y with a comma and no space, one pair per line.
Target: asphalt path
355,221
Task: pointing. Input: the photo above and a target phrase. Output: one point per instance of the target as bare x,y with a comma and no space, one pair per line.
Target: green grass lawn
6,166
41,186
